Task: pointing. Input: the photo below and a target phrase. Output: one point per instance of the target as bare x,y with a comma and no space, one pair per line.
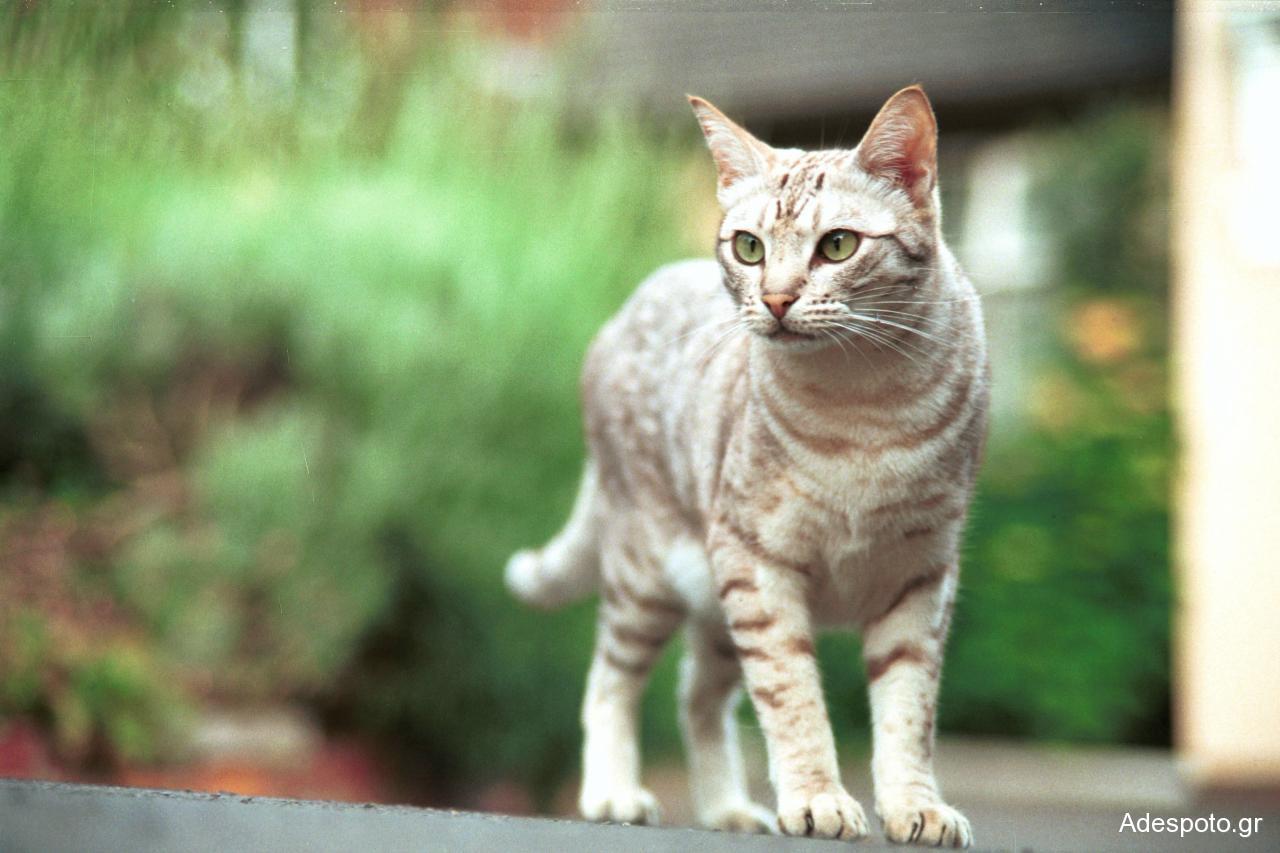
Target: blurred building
802,64
1227,304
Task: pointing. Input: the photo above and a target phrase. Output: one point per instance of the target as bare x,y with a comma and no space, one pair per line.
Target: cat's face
813,242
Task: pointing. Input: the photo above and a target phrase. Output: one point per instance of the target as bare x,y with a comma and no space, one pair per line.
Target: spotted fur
754,476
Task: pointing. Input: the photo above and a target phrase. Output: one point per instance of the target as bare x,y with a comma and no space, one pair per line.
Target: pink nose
778,303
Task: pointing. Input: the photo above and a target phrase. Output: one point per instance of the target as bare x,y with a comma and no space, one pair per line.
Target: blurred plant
322,367
69,654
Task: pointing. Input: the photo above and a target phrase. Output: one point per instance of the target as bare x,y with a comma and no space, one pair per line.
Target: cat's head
810,239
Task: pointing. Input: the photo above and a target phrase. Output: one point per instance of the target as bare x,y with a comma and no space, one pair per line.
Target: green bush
360,370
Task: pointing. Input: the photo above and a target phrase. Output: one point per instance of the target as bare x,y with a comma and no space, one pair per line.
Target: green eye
748,248
838,245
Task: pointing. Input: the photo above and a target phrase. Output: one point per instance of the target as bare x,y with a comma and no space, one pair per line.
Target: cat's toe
830,814
636,806
932,825
742,817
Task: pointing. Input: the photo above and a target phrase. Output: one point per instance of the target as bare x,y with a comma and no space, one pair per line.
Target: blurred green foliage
287,371
1063,630
325,381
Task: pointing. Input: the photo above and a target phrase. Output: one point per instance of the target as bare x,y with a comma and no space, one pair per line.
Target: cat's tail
568,567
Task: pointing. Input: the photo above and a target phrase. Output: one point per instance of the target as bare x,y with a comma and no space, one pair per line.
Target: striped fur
756,479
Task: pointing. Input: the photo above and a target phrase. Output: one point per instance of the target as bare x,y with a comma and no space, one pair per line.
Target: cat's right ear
738,154
901,145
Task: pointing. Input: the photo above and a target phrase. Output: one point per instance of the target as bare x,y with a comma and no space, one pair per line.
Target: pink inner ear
901,144
731,157
911,164
736,152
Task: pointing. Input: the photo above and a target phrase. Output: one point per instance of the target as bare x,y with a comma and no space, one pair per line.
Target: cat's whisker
904,327
911,321
881,339
920,301
876,291
868,326
852,340
921,298
738,325
830,333
942,326
705,356
698,329
912,315
904,346
876,341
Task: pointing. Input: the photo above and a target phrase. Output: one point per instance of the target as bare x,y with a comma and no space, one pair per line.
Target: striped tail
567,568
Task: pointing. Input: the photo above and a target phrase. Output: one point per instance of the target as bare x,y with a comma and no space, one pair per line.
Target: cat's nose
778,302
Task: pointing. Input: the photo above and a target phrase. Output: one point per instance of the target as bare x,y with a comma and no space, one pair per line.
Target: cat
781,439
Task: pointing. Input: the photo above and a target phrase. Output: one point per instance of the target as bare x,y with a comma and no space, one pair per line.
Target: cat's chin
796,341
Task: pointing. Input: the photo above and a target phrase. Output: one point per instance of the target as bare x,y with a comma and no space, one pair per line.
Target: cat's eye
838,245
748,248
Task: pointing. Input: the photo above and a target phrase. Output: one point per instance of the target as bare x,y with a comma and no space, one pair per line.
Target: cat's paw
829,814
744,817
633,805
930,825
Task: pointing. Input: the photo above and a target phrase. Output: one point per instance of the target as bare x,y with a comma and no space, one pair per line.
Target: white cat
782,439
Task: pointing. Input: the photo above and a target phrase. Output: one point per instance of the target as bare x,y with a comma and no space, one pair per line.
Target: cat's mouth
784,335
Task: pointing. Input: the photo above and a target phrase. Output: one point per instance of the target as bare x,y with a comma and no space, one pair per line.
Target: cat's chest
851,530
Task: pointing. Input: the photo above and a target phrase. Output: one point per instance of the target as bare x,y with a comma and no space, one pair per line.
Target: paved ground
1023,796
42,817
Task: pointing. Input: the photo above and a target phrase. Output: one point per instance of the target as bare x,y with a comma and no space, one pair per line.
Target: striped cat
782,439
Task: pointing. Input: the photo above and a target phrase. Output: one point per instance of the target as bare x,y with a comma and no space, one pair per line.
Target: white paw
634,805
930,825
830,814
741,817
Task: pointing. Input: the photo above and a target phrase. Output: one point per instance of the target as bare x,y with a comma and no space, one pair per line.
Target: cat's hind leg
710,680
568,567
637,617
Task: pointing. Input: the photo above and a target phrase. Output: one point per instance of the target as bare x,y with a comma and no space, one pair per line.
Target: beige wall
1227,390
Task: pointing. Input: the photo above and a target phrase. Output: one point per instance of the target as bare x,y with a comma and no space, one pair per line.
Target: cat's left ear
902,145
738,154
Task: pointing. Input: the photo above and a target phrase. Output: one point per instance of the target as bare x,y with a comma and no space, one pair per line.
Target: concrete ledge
48,817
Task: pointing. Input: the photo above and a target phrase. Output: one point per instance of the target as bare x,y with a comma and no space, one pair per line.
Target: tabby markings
627,666
771,697
908,652
751,542
637,638
912,586
740,584
644,602
759,624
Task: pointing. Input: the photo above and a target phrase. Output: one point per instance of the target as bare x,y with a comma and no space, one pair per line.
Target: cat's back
668,317
643,376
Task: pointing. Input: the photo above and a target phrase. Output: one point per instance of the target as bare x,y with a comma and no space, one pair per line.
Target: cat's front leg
764,599
903,649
